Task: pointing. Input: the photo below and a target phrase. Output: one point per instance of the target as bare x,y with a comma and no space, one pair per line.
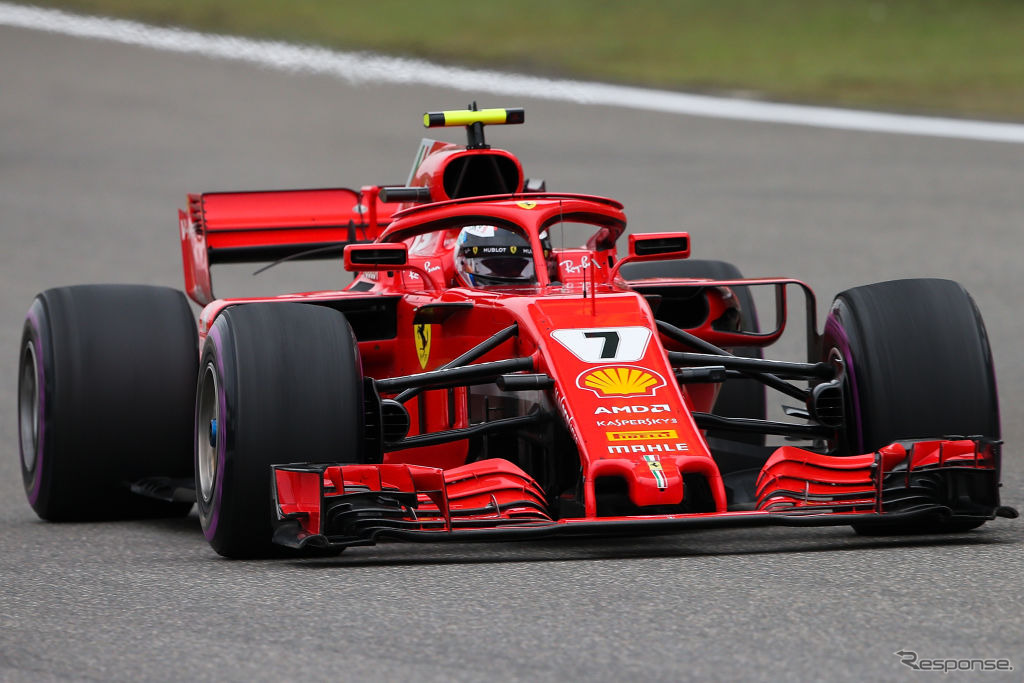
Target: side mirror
384,256
658,246
393,195
655,246
376,256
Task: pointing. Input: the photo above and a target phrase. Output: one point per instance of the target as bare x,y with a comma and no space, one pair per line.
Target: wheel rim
840,346
28,407
208,424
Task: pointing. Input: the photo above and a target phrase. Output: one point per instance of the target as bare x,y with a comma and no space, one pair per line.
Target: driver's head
487,256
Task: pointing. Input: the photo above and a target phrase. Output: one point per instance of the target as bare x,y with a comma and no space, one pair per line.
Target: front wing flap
339,505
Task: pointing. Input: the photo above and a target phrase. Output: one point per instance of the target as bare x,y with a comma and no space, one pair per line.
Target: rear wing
247,227
252,227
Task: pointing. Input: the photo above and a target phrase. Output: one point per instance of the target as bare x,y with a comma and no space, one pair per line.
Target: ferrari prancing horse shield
421,333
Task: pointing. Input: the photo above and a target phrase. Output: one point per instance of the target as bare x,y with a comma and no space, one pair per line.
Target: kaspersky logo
617,381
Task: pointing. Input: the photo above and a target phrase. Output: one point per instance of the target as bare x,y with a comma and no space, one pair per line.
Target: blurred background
958,57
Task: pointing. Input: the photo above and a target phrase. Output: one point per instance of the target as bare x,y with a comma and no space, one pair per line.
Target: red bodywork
616,419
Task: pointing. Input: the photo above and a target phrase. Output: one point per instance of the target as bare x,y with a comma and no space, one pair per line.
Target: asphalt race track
99,144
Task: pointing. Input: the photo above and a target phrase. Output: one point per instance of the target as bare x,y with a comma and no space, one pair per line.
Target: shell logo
613,381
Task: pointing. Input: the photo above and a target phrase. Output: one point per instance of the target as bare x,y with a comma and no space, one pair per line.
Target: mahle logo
617,381
622,449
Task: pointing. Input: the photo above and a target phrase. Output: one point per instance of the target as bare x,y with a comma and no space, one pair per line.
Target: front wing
337,505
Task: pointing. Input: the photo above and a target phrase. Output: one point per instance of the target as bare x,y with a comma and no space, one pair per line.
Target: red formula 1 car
496,370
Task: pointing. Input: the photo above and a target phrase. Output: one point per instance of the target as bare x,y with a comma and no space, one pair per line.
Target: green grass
962,57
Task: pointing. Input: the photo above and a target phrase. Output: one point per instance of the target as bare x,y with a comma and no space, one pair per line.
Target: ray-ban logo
950,664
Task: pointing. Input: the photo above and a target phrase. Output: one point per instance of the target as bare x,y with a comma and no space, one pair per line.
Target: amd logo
656,408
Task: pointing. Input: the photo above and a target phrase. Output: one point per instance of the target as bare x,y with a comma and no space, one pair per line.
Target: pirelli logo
643,435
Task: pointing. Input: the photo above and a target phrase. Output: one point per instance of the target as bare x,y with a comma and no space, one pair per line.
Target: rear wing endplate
253,227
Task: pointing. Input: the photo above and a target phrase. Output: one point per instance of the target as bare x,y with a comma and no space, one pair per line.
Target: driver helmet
488,256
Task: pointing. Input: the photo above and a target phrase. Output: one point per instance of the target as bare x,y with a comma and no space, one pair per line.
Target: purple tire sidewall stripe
213,516
834,329
37,479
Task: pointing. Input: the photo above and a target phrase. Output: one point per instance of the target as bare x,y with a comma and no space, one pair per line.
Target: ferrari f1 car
497,369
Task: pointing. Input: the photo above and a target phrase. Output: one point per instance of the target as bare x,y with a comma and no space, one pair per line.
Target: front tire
278,383
104,399
917,365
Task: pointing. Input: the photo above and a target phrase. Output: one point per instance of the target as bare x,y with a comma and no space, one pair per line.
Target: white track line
357,68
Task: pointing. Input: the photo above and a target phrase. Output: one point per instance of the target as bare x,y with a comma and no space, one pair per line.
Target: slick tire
105,395
738,397
278,383
918,365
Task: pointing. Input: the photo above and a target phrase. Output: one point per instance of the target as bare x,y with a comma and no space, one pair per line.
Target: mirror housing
655,246
384,256
376,256
659,246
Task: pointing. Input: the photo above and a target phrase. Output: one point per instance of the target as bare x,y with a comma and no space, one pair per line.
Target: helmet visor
511,263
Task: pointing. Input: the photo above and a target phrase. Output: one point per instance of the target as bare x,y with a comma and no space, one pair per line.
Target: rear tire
738,397
278,383
918,365
104,399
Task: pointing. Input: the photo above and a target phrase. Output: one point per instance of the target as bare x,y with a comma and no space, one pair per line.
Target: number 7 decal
603,344
611,343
